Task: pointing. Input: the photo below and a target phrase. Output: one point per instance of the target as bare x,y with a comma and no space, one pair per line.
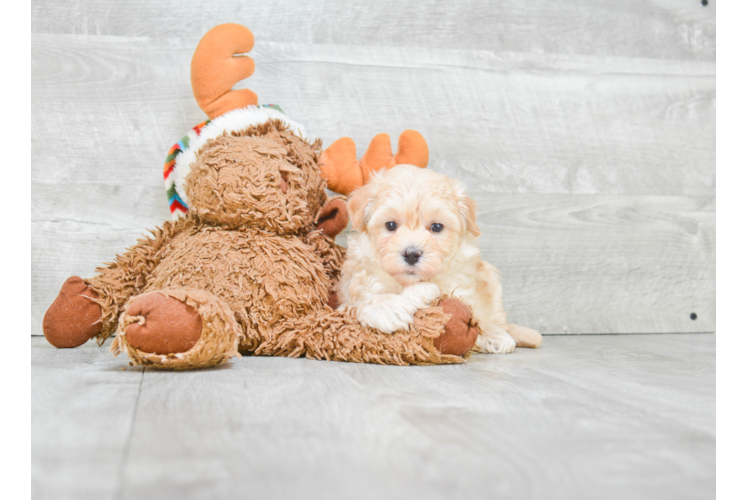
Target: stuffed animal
249,261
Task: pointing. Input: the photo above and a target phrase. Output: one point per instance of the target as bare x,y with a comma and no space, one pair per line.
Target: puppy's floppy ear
360,205
468,211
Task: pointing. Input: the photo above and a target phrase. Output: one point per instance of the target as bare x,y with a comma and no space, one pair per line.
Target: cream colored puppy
414,240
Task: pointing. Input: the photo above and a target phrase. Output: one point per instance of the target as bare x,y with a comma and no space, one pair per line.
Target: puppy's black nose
411,255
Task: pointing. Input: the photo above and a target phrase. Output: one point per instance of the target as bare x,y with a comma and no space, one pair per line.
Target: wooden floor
584,417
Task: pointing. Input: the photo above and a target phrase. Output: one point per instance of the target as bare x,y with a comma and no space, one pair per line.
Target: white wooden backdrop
584,129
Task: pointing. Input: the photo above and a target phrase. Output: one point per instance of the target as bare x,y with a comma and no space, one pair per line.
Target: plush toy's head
263,177
252,166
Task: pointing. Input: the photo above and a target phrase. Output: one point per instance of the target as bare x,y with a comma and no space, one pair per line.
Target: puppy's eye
436,227
391,226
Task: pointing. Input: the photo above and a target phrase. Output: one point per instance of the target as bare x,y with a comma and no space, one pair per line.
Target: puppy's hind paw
495,343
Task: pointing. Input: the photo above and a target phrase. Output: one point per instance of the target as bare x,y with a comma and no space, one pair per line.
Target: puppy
414,240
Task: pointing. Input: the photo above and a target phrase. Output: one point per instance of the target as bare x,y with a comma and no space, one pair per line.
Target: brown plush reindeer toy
250,263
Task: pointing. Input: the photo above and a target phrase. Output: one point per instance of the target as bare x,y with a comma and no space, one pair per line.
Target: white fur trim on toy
185,151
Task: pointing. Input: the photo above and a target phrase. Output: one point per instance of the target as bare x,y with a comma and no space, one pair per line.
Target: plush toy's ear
467,208
344,173
216,68
360,205
333,217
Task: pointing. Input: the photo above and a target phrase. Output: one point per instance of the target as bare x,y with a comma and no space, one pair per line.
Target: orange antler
344,173
216,68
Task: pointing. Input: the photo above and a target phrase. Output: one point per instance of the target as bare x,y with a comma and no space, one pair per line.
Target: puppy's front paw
387,314
495,342
422,294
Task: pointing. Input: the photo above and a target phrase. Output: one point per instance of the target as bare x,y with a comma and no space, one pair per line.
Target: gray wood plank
82,406
648,372
664,29
583,417
603,264
511,123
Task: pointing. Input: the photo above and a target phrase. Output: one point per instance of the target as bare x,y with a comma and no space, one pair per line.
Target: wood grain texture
504,123
603,264
662,29
583,417
586,131
82,410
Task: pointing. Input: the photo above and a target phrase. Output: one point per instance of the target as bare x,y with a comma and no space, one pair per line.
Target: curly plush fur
250,262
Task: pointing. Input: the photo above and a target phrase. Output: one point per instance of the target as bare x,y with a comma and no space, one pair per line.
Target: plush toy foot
74,317
164,324
177,330
460,332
